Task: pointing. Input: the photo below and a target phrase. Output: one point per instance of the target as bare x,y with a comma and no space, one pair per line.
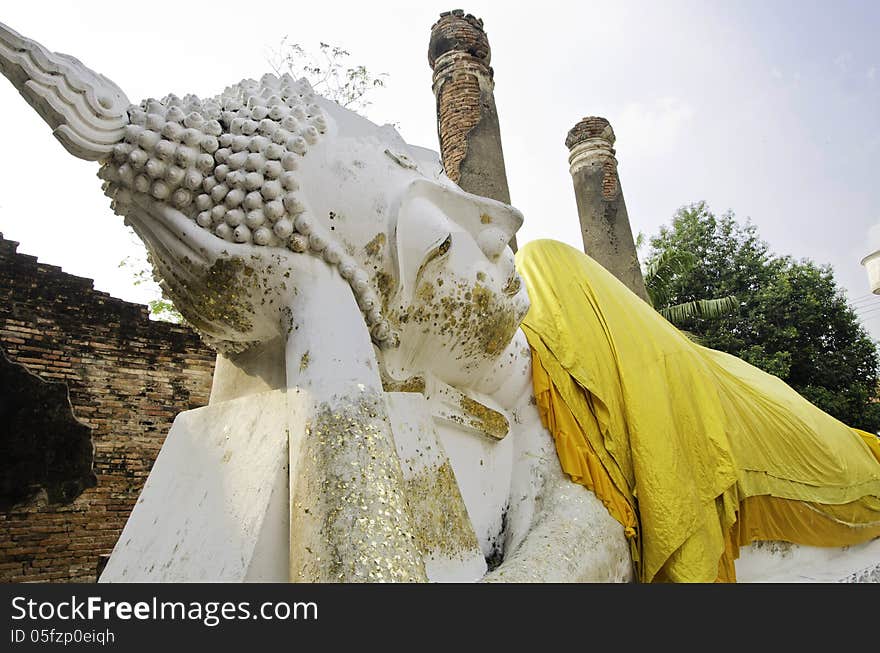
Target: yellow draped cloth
695,452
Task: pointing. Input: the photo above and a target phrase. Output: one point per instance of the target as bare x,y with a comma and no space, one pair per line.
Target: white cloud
653,128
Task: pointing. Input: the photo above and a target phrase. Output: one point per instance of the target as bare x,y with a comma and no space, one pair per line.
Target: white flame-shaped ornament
228,162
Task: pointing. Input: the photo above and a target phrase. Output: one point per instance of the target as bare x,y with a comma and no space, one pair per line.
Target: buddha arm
572,538
556,530
349,518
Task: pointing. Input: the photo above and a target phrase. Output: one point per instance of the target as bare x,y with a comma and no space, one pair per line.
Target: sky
768,108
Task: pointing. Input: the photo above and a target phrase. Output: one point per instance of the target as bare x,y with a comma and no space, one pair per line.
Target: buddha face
437,256
460,300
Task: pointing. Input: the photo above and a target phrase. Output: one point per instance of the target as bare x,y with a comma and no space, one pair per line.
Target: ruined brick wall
459,55
467,120
604,219
458,112
127,378
595,127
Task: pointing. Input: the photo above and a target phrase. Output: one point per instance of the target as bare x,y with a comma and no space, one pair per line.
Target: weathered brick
467,119
108,352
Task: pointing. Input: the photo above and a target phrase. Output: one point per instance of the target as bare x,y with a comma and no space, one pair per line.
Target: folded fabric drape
694,451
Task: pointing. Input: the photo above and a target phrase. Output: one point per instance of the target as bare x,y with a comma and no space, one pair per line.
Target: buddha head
228,193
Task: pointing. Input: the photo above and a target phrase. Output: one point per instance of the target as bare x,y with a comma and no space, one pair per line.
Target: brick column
604,221
467,121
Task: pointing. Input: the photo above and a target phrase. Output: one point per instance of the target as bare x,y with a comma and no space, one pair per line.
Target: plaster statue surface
372,416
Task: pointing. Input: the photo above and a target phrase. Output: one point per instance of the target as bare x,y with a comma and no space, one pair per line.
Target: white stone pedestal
215,506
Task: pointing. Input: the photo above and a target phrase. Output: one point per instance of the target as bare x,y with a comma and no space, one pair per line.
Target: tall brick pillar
604,221
467,121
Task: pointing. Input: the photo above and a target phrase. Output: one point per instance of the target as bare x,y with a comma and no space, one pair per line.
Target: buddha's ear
430,211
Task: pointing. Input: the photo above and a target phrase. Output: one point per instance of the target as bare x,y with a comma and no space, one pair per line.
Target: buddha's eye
435,253
444,247
439,250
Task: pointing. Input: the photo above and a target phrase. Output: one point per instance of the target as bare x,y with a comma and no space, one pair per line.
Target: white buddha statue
372,416
375,244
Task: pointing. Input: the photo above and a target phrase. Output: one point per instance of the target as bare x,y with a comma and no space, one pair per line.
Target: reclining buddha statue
397,398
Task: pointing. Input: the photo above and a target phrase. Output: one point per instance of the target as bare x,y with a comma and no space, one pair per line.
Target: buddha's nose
497,227
492,241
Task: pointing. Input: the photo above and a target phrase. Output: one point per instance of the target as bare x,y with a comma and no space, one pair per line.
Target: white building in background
872,264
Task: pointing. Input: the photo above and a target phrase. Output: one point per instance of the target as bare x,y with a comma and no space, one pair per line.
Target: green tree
792,320
660,274
329,72
160,308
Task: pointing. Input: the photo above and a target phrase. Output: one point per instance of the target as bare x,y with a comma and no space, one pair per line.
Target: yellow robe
694,451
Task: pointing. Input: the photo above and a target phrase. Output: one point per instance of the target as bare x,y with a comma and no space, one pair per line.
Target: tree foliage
329,72
660,274
791,320
160,308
